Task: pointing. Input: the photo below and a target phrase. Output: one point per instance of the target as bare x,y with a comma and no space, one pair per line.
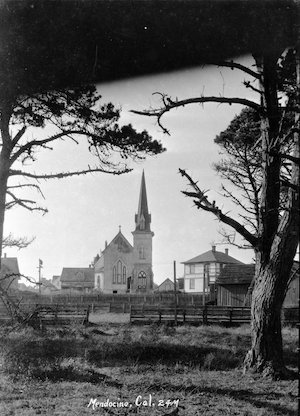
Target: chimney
213,249
226,251
5,255
105,243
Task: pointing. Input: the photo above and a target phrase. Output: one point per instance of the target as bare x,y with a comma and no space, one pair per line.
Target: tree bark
275,252
4,165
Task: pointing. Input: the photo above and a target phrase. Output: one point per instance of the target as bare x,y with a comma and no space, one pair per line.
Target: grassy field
151,370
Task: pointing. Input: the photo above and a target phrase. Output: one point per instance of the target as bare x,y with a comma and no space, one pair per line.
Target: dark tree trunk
5,154
271,280
277,243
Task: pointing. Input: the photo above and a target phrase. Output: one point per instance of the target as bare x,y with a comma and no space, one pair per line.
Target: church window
119,272
124,275
142,279
114,275
142,253
142,222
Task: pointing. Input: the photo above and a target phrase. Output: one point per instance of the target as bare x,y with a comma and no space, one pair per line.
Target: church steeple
143,218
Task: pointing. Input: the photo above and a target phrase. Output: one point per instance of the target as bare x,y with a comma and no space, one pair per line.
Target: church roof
212,256
143,218
121,241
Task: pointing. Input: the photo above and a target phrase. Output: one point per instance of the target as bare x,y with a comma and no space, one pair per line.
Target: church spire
143,218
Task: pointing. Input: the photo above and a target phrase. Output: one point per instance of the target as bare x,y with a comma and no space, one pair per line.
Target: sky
86,211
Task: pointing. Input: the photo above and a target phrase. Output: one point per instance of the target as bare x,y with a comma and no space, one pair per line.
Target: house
122,267
47,287
166,286
200,272
56,281
77,279
9,273
234,285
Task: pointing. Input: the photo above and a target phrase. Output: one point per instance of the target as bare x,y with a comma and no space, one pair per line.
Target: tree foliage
76,114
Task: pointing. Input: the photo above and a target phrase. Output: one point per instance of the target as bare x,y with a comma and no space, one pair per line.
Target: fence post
205,317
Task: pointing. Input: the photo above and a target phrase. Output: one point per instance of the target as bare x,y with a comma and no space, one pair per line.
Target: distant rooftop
236,274
77,274
213,256
11,264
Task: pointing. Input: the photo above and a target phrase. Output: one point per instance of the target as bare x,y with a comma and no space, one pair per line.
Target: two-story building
200,272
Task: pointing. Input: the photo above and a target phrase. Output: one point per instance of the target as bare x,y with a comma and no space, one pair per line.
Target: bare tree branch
169,104
202,202
62,175
25,203
18,242
235,65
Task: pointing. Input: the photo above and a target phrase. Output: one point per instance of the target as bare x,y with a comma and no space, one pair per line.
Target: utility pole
40,273
175,295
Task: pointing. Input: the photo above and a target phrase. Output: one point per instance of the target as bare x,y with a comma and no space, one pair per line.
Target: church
125,268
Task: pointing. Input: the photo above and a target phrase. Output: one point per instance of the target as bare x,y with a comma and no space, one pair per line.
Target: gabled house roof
166,281
213,256
10,264
77,274
244,273
234,274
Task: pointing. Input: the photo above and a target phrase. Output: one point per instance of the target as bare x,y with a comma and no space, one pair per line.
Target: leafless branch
18,242
62,175
235,65
25,203
202,202
169,104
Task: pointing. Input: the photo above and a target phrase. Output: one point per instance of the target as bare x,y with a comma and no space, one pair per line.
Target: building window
142,279
192,268
142,253
192,283
206,274
142,222
119,272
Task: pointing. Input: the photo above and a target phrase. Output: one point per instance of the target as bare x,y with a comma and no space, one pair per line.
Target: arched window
142,282
119,272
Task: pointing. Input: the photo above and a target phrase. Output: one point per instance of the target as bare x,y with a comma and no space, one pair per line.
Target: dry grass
59,371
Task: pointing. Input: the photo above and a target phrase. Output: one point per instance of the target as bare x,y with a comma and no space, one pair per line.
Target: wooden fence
202,315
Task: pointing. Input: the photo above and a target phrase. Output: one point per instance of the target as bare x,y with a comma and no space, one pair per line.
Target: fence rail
202,315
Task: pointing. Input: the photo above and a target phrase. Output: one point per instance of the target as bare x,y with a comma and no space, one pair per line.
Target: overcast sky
86,211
